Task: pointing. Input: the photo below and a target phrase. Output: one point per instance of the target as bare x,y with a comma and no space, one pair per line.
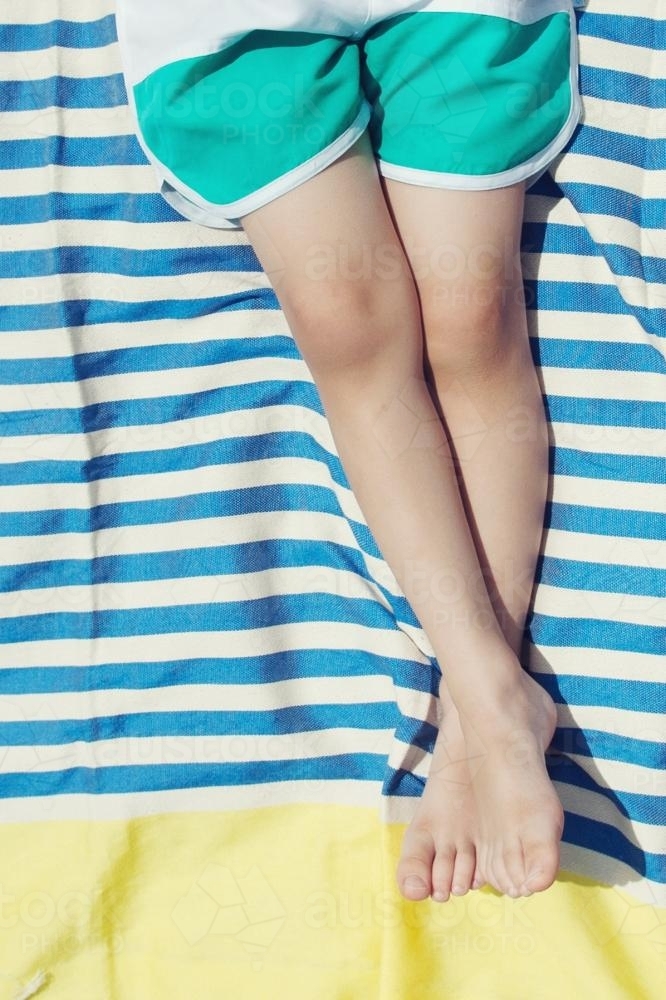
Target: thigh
459,240
464,252
331,252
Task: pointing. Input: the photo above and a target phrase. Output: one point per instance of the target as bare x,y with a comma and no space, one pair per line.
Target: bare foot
438,855
519,816
489,811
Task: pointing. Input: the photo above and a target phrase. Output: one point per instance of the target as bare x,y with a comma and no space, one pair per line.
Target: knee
350,326
474,331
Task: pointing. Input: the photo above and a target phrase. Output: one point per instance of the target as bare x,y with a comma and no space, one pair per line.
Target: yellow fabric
295,903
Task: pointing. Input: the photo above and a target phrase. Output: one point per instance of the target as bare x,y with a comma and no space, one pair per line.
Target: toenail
457,890
439,896
415,883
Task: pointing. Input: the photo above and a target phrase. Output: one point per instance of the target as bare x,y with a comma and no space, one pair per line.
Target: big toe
541,865
414,874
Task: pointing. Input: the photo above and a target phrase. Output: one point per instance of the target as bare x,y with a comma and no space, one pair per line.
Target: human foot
519,816
438,855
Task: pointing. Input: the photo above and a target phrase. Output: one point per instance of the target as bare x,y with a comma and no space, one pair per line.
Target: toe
442,872
496,872
463,872
414,874
514,865
541,864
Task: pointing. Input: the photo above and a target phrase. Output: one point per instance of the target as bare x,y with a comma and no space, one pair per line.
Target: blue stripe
82,312
595,355
276,721
232,616
635,151
197,506
106,207
595,633
68,34
125,779
180,261
628,89
601,838
576,574
539,237
612,467
588,297
605,692
162,357
628,29
641,808
63,92
606,521
145,412
213,561
608,746
71,151
280,444
252,670
605,412
647,213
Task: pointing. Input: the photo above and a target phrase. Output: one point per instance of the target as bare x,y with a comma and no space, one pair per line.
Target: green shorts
237,102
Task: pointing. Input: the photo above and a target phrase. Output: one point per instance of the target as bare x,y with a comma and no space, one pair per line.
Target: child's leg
464,250
361,337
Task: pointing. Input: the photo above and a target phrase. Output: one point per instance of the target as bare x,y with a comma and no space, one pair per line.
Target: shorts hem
228,216
528,171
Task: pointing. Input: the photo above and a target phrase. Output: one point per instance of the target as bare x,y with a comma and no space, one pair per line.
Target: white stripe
607,549
590,327
627,608
621,56
125,288
42,11
596,493
220,697
35,65
117,490
87,123
625,119
174,750
232,325
319,635
21,398
649,727
615,440
89,232
199,533
99,808
174,592
583,383
610,873
601,664
164,436
581,168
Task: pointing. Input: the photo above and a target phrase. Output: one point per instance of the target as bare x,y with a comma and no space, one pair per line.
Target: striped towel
216,708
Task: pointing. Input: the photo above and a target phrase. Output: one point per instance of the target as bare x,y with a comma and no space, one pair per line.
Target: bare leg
464,250
356,320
